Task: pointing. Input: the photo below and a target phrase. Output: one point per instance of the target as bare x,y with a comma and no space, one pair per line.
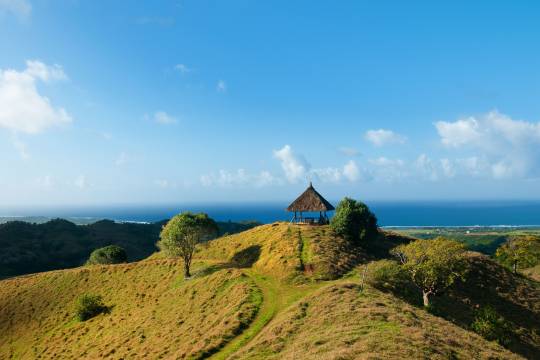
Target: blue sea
404,213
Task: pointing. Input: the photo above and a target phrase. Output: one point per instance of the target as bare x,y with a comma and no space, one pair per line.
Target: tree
183,232
519,252
432,265
111,254
354,221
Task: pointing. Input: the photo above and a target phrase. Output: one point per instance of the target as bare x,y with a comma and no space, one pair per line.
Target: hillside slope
279,291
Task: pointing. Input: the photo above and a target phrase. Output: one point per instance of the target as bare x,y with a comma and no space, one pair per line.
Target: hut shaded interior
310,201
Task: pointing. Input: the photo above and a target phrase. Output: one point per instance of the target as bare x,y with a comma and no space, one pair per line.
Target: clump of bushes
111,254
389,275
354,221
492,326
88,306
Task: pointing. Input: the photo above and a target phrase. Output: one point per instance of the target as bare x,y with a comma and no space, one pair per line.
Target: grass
250,297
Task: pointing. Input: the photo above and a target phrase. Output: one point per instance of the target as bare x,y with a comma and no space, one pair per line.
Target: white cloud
221,86
295,166
426,168
349,151
511,147
383,137
22,107
328,174
183,69
44,72
389,170
239,178
21,8
351,171
161,117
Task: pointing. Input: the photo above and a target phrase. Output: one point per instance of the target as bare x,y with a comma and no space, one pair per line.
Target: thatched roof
310,200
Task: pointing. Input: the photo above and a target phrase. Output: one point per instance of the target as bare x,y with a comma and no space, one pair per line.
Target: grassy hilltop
276,291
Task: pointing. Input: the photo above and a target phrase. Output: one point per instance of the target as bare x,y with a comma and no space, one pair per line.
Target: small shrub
87,306
492,326
111,254
385,274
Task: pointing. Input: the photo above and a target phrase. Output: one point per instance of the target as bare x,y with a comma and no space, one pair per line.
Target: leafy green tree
432,265
87,306
183,232
111,254
354,221
519,252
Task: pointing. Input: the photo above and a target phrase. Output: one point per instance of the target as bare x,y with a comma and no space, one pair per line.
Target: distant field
477,238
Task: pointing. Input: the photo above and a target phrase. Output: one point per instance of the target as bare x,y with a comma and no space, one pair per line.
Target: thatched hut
310,201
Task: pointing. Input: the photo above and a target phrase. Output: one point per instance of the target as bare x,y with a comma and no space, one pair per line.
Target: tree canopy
519,252
183,232
432,265
111,254
354,221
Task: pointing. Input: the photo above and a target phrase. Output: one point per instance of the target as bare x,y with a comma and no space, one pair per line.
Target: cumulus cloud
511,147
295,166
22,107
383,137
162,118
239,177
20,8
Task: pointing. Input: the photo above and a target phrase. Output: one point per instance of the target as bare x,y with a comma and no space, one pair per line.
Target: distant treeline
58,244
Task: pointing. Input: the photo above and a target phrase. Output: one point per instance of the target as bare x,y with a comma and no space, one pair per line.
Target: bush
489,324
87,306
111,254
386,274
354,221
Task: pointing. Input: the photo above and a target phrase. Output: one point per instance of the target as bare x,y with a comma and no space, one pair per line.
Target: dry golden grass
254,295
340,322
154,312
533,273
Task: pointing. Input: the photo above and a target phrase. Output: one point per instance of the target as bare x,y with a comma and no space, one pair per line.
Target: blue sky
186,101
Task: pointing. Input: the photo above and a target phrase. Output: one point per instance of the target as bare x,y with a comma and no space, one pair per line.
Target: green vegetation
519,252
59,244
432,265
107,255
182,234
87,306
354,221
484,239
277,291
491,325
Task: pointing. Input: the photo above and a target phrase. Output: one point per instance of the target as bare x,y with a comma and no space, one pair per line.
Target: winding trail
277,295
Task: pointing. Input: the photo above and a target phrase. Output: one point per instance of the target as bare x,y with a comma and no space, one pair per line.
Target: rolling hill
276,291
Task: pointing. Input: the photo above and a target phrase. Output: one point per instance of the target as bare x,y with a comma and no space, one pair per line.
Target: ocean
403,213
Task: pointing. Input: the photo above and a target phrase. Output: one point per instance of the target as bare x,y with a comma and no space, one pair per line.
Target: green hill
276,291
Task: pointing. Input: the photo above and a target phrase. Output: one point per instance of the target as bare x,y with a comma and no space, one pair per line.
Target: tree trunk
425,296
515,267
187,274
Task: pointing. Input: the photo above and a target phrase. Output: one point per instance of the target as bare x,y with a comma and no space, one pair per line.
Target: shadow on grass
243,259
515,298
